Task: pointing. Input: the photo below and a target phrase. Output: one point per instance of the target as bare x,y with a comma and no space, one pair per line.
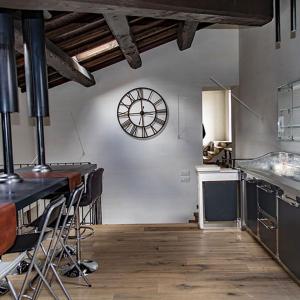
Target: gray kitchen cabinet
288,234
220,200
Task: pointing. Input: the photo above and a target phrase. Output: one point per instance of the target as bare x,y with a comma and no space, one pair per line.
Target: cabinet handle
265,189
290,200
265,222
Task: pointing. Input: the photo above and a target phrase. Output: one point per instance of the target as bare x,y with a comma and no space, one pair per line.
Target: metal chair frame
65,229
44,232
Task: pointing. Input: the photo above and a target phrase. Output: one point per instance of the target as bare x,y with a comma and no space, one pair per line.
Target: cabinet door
220,200
251,205
288,236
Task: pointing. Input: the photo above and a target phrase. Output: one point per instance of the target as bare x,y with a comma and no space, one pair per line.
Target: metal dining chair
65,225
32,244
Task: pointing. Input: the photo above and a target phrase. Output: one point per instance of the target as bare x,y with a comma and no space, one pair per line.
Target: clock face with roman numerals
142,113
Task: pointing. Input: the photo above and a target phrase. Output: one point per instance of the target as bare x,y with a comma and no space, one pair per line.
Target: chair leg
12,289
60,282
75,265
38,289
24,285
52,267
78,243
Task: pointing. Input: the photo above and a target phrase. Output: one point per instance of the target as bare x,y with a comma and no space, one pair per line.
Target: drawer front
251,205
268,232
267,199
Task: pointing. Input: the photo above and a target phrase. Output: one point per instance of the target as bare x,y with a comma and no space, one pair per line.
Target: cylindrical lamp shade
8,71
35,63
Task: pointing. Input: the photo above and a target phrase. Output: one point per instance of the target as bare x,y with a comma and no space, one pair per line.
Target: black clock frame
162,124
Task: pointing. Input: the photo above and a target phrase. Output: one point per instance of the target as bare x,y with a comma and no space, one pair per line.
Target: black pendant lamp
8,92
36,78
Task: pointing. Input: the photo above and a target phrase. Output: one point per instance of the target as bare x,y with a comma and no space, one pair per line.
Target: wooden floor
179,262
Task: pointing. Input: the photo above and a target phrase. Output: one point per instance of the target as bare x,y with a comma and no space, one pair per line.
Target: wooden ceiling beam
83,39
246,12
62,20
74,29
59,60
186,33
119,27
115,55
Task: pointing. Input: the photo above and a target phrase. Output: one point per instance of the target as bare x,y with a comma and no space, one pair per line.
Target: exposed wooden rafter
246,12
186,33
120,29
59,60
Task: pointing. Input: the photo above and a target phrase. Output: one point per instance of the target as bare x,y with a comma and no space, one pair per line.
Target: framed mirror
288,98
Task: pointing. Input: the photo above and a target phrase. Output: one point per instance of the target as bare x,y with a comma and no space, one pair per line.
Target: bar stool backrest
8,226
93,187
75,198
51,213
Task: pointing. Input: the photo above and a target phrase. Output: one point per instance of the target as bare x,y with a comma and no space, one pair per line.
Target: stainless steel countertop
289,186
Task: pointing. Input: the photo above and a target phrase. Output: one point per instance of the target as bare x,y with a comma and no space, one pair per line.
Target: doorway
217,122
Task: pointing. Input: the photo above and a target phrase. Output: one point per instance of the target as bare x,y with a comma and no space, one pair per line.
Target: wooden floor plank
178,262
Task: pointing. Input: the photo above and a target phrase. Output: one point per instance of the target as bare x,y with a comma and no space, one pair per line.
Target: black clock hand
143,123
145,113
134,114
149,112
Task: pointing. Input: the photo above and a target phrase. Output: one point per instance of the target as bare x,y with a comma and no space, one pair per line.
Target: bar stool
90,198
33,242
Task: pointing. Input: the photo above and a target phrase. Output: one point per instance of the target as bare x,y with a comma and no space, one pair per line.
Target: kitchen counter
290,186
278,168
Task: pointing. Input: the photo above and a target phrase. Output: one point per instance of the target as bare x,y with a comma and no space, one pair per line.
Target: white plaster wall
214,116
142,181
22,134
262,69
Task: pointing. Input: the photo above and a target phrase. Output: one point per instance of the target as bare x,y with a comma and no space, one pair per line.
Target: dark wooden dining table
31,190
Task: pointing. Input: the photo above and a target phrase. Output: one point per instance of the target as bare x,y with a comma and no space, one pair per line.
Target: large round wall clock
142,113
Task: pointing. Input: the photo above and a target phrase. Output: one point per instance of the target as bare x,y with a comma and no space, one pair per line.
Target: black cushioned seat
52,225
24,242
